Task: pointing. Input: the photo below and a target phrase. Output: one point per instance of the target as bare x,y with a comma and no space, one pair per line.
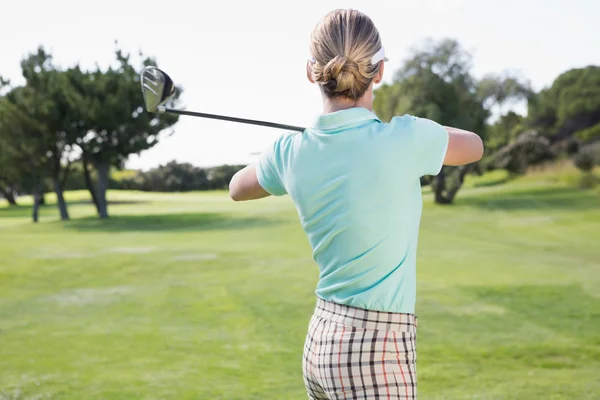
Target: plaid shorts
352,353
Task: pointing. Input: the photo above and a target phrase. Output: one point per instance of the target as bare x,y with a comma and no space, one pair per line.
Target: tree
498,91
529,148
586,159
436,83
561,118
48,99
173,177
8,172
505,129
114,124
569,107
220,176
590,134
22,149
9,177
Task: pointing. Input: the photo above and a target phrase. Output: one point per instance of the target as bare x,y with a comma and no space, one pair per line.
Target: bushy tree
173,177
9,171
435,82
529,148
585,159
99,112
590,134
501,90
570,106
114,124
220,176
8,179
505,129
42,113
180,177
24,146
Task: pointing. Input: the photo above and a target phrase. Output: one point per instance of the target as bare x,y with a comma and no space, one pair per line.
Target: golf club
158,88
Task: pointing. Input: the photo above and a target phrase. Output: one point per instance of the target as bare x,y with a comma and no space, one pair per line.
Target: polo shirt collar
343,118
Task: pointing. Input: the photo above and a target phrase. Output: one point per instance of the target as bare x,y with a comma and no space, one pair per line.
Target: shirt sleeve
431,143
269,169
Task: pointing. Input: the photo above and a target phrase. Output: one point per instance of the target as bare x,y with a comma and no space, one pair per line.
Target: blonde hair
342,45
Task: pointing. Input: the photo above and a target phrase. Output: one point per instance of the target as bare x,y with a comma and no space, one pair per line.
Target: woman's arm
464,147
244,185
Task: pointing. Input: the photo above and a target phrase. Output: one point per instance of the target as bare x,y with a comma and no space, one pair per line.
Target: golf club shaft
231,119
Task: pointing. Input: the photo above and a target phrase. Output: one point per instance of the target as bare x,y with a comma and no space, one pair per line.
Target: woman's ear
308,73
379,77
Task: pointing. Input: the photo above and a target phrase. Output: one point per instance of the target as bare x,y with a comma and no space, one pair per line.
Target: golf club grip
233,119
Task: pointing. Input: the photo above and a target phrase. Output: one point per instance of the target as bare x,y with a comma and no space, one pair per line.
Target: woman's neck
339,104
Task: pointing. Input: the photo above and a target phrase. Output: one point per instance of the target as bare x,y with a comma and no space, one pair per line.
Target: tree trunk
439,187
462,172
102,168
62,205
38,194
88,183
42,196
65,176
8,194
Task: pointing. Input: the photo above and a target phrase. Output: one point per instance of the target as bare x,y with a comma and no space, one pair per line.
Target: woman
355,183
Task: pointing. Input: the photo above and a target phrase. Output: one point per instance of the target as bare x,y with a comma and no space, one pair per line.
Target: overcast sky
247,58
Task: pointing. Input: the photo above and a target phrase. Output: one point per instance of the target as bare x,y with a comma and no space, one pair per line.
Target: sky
247,58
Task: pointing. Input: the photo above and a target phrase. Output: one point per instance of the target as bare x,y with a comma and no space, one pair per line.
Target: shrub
585,160
572,146
178,177
530,148
589,134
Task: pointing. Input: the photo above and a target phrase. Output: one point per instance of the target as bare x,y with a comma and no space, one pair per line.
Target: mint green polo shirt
355,183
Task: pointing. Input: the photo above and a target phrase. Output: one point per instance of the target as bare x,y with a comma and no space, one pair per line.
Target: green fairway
192,296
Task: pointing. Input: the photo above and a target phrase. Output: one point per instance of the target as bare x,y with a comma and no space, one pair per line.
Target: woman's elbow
464,148
234,189
234,195
478,148
474,151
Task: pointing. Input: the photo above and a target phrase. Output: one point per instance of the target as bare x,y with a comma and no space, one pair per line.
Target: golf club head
157,88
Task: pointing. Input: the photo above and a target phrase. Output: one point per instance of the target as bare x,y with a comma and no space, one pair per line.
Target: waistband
365,319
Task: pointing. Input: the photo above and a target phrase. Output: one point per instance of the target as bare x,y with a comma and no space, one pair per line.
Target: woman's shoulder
398,127
404,121
287,139
413,125
285,143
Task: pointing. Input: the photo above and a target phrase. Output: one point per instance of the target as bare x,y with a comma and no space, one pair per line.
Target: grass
190,296
562,171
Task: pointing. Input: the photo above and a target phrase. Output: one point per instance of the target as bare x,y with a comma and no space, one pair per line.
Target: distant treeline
170,177
95,119
178,177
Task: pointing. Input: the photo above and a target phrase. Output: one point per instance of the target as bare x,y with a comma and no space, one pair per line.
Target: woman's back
355,183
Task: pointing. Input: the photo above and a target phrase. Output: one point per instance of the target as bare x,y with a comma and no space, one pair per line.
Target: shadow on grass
110,202
495,182
167,222
543,198
566,309
21,211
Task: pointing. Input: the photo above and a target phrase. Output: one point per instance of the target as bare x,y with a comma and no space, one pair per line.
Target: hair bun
340,74
332,69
